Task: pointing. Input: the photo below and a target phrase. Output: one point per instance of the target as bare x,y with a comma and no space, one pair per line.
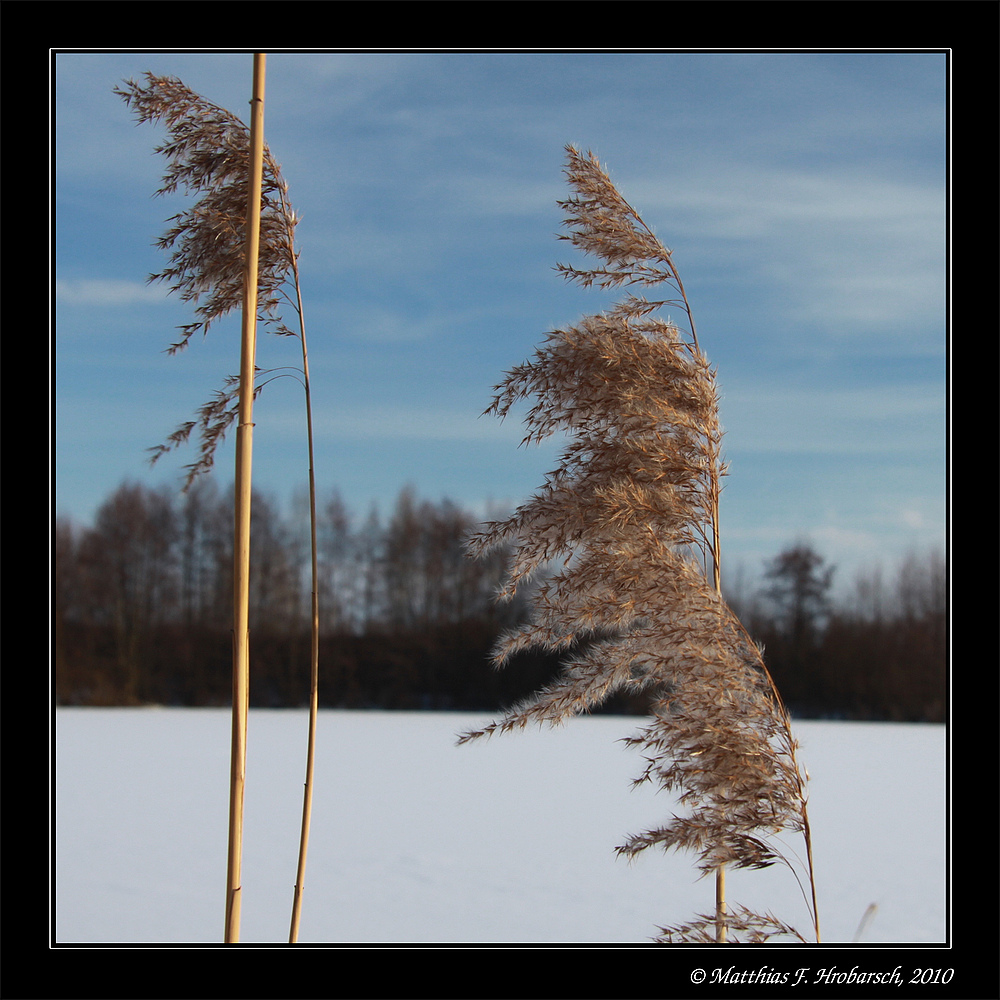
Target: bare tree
403,555
335,556
133,561
370,560
275,578
799,589
922,586
198,531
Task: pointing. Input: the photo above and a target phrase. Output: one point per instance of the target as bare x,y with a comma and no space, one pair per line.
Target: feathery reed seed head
207,151
615,530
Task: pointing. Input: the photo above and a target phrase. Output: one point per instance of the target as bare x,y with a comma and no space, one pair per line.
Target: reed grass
243,500
233,249
623,543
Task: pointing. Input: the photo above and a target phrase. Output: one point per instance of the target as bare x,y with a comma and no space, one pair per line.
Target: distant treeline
142,604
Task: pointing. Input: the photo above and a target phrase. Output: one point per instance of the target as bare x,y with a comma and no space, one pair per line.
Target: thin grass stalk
293,934
720,872
714,548
244,454
807,836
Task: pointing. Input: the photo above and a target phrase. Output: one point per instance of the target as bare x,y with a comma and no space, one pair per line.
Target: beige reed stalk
712,546
208,151
712,543
244,454
293,933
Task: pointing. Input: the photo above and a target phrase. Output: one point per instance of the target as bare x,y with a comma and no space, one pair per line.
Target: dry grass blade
626,534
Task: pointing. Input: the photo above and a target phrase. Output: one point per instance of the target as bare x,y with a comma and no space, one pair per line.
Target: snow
417,841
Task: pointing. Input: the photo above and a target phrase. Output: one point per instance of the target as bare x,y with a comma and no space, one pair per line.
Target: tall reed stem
293,934
714,550
244,453
720,872
720,904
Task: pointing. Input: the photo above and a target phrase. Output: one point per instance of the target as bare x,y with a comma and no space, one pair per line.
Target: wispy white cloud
848,251
862,420
104,292
388,422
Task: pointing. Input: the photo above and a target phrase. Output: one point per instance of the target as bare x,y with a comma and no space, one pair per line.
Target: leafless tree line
154,573
141,611
157,559
879,651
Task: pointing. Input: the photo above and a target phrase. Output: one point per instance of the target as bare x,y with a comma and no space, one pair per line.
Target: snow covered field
415,840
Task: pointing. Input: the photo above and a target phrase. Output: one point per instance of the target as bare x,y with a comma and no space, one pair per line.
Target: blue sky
803,194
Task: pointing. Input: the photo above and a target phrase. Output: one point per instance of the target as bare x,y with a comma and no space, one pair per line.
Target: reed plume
210,157
626,530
